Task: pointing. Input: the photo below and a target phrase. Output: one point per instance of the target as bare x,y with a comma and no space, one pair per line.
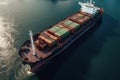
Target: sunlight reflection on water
7,48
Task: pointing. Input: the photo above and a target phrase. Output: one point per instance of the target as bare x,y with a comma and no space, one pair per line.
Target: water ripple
7,49
11,67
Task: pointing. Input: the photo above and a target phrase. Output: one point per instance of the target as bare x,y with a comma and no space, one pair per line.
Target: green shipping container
68,22
55,28
75,25
63,32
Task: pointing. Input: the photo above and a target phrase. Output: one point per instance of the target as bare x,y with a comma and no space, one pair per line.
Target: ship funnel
32,42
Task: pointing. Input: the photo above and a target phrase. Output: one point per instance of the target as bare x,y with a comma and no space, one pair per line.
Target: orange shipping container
46,40
50,35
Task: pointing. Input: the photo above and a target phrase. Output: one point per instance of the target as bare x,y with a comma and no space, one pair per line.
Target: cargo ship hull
50,42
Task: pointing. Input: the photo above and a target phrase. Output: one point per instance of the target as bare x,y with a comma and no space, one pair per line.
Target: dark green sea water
94,57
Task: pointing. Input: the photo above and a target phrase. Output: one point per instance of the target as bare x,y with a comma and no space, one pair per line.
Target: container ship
50,42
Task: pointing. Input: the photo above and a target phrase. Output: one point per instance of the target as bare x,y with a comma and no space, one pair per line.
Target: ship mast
90,1
32,42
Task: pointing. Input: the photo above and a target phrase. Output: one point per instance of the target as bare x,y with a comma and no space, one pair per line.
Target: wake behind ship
50,42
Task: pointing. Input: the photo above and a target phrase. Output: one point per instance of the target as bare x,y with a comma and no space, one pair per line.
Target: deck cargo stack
47,39
67,22
72,26
77,18
62,32
54,29
54,34
50,35
75,26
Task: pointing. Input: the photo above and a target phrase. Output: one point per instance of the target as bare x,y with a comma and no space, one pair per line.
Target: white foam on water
7,49
6,38
11,67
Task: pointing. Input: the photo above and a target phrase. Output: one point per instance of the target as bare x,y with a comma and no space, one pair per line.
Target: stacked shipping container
64,28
